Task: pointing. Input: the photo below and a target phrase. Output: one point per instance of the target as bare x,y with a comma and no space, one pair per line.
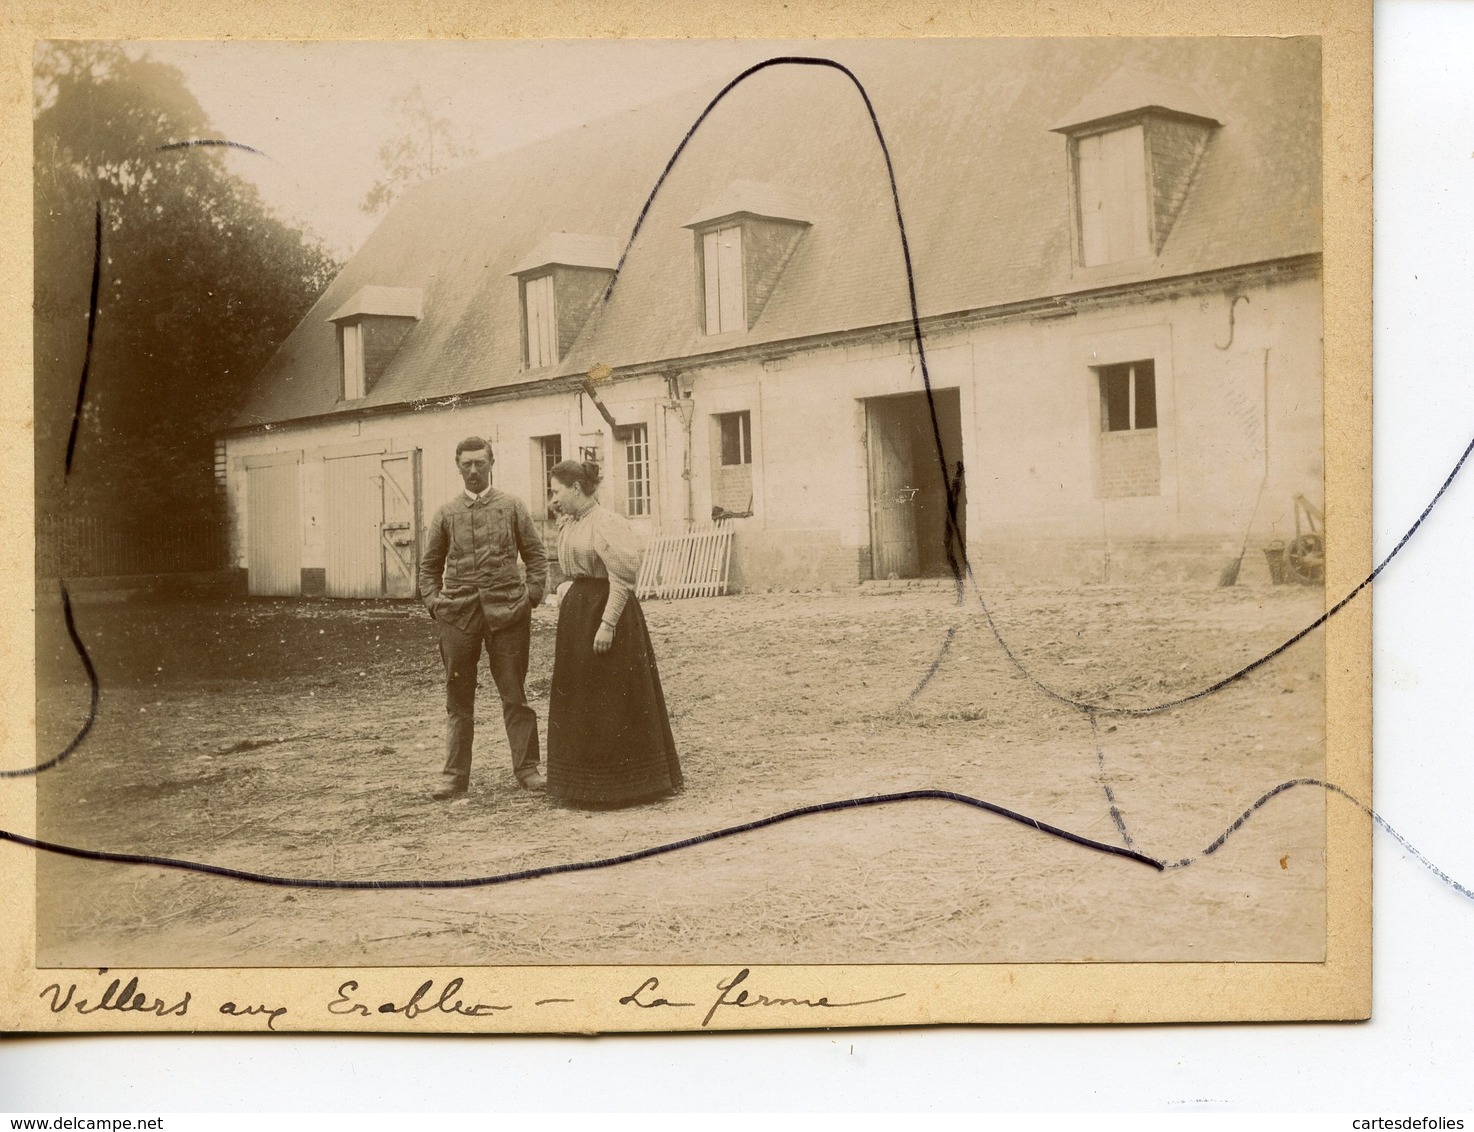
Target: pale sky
318,112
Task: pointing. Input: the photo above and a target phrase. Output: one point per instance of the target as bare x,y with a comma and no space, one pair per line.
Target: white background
1415,1056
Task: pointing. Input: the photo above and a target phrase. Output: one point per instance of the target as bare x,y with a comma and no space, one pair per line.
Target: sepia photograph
720,503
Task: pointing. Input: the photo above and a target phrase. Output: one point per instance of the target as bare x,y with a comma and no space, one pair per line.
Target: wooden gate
274,529
694,563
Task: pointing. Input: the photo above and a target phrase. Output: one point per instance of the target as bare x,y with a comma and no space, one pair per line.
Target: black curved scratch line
91,335
1105,784
731,831
211,142
960,569
1274,792
953,485
803,60
1233,677
934,667
1332,788
954,492
93,684
578,866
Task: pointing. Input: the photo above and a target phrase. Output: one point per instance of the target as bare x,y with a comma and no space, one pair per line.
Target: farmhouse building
1116,252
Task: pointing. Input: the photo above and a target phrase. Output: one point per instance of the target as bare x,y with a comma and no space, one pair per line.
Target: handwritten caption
430,998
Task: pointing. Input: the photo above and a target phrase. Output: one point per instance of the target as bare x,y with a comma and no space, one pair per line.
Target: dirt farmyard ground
302,739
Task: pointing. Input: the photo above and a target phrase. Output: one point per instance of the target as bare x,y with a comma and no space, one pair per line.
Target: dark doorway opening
910,481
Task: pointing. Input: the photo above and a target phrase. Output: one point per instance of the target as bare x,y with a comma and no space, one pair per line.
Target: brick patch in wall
732,490
314,581
1130,464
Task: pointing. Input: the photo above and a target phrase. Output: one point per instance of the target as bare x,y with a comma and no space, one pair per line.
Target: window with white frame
350,337
721,257
1129,455
1128,396
1113,198
732,490
547,453
634,439
540,321
736,437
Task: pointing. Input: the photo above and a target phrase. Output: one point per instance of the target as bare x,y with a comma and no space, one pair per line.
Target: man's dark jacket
470,562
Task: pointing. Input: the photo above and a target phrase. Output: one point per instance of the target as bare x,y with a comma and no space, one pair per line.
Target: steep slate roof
983,183
570,249
1129,90
400,302
753,199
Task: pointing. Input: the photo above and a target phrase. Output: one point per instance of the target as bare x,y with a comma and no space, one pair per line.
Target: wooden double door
372,524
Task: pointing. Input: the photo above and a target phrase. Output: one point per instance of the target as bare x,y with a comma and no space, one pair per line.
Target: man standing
470,583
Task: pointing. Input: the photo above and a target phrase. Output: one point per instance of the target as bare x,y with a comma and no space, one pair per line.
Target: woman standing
609,738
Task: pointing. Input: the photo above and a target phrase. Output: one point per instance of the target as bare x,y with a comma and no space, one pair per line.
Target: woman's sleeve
618,549
560,554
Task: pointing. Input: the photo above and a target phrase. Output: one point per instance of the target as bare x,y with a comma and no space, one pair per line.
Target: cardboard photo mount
728,996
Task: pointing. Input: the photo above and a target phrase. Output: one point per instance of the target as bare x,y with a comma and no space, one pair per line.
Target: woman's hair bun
584,473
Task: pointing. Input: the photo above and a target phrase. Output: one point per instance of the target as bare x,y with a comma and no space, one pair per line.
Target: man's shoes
451,786
533,781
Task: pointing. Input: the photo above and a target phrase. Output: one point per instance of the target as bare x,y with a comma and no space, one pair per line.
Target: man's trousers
506,654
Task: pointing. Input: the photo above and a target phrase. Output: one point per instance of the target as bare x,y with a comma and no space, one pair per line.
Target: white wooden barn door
351,526
274,530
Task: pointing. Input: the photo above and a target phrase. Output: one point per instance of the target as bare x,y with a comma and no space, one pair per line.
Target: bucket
1274,554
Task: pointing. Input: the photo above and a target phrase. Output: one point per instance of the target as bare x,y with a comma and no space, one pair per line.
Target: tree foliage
198,283
425,144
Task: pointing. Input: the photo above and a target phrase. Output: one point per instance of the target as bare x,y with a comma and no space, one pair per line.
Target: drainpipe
679,388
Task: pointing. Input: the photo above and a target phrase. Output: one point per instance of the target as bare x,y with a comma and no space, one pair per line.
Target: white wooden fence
693,563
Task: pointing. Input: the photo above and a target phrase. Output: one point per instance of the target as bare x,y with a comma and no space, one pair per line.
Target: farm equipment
1305,556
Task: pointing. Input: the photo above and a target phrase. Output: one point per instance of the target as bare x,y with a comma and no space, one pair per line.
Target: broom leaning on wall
1229,575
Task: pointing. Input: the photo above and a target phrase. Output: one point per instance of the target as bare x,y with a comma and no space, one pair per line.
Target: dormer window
355,381
745,237
372,325
1134,147
561,281
1115,220
540,321
721,256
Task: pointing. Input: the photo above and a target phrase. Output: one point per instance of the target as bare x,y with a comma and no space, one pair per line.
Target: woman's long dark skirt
609,738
